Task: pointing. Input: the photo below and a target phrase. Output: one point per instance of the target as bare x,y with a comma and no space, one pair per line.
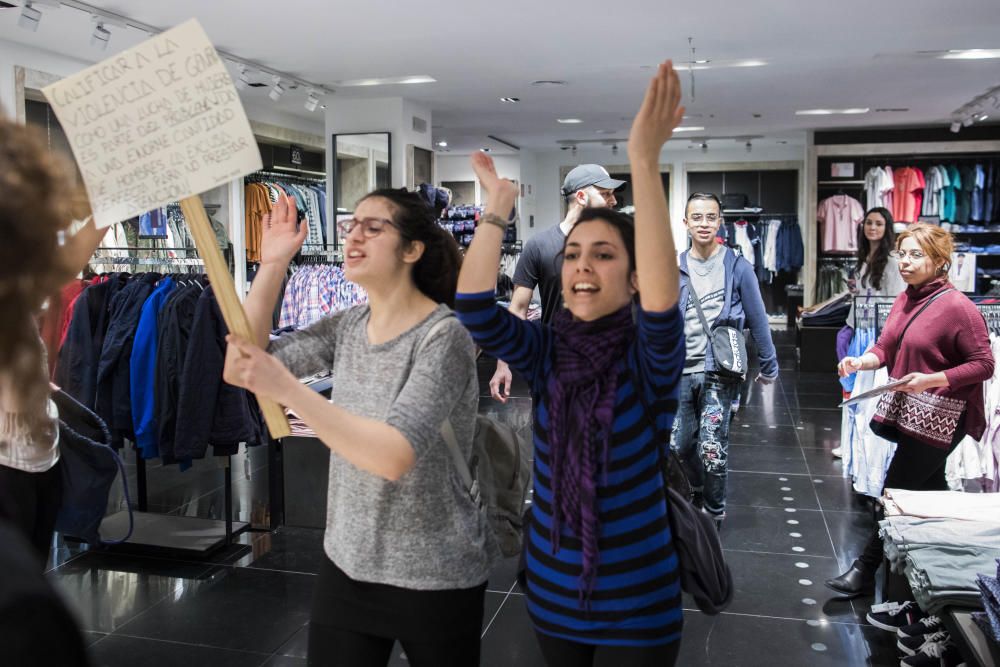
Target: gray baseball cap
589,174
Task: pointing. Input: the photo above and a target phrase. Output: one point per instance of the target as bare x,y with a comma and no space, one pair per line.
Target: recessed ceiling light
510,100
981,117
485,150
569,121
690,128
322,106
547,82
394,80
891,110
701,62
830,112
442,144
604,131
749,63
970,54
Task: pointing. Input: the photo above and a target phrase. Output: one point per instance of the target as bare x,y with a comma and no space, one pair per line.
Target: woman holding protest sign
408,551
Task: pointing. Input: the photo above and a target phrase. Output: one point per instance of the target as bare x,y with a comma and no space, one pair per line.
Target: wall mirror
362,162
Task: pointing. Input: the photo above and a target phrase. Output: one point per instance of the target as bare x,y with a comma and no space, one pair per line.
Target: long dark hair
888,243
436,272
620,221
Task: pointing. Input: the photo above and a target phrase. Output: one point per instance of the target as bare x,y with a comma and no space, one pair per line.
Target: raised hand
282,236
499,190
659,114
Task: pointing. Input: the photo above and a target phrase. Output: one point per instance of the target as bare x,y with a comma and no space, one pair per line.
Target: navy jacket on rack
76,372
790,252
113,403
232,416
176,320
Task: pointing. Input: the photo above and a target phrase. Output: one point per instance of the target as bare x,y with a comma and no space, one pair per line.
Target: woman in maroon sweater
944,357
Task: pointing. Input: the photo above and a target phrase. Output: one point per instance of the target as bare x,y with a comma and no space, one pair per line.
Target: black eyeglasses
370,227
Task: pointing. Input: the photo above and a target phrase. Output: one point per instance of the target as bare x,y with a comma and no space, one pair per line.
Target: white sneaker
838,453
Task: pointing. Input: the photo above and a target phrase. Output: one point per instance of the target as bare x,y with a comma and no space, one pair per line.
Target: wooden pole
225,293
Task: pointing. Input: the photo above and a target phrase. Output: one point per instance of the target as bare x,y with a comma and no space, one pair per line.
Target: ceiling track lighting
749,146
30,16
974,110
277,90
573,150
312,100
614,149
704,147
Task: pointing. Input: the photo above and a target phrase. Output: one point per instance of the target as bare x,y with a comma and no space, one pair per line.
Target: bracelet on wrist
494,219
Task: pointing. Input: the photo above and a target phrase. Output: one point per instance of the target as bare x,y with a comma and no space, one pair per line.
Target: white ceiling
851,53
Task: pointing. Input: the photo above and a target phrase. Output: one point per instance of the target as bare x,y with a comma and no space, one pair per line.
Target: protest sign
160,123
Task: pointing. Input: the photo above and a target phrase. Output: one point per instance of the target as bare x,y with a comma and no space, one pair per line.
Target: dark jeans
564,653
701,435
30,501
915,467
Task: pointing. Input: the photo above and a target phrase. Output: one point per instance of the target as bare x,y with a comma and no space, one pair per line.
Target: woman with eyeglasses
408,552
936,341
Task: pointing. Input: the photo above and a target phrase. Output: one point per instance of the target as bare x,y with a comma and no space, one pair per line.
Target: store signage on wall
155,124
842,170
295,155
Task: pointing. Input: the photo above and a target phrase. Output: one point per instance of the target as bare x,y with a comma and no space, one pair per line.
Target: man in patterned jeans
727,289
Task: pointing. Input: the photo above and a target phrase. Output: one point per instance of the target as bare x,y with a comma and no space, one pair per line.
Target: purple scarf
581,400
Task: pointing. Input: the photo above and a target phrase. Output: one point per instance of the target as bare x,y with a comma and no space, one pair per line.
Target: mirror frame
335,173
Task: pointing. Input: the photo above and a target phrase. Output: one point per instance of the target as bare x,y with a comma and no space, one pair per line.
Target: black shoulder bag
729,347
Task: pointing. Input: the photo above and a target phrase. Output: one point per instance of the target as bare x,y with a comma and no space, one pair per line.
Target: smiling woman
597,481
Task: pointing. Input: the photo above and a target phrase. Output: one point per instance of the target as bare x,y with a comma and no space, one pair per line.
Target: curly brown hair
37,204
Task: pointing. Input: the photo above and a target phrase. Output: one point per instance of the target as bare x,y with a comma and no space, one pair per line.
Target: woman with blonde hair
937,341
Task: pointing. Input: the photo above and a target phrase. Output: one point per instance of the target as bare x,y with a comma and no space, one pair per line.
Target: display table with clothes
947,546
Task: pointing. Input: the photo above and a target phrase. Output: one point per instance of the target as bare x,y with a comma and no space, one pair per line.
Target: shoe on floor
838,453
944,654
922,627
892,616
856,581
915,645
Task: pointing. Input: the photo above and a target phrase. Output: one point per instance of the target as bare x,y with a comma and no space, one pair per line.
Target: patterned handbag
926,416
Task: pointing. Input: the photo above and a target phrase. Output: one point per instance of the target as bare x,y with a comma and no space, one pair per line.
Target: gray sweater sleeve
435,375
310,350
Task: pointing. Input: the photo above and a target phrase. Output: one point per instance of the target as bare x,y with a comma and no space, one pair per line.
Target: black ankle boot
858,580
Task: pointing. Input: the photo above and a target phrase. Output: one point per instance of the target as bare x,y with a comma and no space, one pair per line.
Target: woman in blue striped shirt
602,573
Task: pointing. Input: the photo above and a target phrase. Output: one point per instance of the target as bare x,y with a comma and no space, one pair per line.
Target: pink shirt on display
840,216
909,187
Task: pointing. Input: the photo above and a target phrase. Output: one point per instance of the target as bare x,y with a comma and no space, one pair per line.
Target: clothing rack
264,175
161,533
987,305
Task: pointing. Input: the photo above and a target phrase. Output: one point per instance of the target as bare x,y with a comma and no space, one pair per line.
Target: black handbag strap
922,309
701,313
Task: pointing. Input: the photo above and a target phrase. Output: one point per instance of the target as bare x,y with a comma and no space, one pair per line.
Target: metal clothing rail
259,176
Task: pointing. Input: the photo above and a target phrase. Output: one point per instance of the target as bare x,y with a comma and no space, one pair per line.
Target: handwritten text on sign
154,124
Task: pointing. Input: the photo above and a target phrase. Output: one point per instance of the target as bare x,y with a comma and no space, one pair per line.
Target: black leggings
564,653
344,648
30,500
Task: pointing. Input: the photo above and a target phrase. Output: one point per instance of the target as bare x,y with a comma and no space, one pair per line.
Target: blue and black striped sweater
637,596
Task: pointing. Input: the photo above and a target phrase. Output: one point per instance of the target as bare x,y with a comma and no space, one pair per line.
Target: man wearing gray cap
588,185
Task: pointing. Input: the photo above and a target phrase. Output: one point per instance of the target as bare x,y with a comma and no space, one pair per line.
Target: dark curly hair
436,272
37,203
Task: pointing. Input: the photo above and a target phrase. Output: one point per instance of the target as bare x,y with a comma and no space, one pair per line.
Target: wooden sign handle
225,293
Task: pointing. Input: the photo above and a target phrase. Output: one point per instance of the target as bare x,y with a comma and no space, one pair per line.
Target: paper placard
155,124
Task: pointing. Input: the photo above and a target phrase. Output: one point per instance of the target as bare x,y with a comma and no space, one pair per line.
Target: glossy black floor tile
105,593
752,641
91,638
123,651
285,661
773,435
510,639
770,531
767,458
822,463
770,585
234,608
850,532
287,549
839,495
751,489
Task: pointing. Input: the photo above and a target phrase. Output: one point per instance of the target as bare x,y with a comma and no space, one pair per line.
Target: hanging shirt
978,183
744,242
877,184
888,199
907,195
952,184
840,215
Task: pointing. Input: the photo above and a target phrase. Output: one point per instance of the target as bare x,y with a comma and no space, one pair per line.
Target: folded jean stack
942,542
989,620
